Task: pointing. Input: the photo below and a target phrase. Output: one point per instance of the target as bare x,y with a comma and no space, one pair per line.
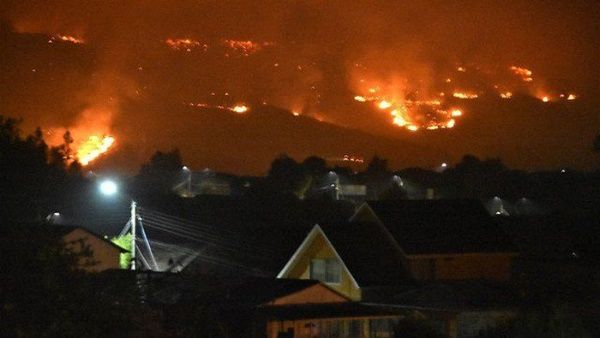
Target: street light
333,177
189,180
109,188
52,217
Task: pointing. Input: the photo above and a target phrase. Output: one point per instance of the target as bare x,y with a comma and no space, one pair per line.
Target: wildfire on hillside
244,48
524,73
66,38
93,147
185,44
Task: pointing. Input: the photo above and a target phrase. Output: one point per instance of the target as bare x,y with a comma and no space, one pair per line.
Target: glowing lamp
108,188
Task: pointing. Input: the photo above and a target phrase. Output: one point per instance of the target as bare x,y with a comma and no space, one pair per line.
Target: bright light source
108,187
384,104
444,165
56,214
185,168
456,112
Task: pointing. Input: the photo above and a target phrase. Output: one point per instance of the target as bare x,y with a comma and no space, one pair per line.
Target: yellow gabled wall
320,249
104,256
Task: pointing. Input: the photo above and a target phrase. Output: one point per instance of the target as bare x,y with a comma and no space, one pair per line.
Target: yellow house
97,253
349,258
443,260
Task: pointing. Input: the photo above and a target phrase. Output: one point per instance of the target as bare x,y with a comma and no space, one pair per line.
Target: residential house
444,239
415,255
353,257
96,253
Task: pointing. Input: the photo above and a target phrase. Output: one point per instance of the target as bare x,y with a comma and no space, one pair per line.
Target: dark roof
170,288
372,257
441,226
331,310
251,237
62,230
555,237
256,291
459,296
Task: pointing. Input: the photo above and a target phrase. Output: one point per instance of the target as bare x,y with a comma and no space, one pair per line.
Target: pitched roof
251,237
173,288
441,226
370,254
571,237
63,230
459,296
257,291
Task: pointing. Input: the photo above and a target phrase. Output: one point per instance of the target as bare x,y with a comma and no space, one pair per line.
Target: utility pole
189,184
133,221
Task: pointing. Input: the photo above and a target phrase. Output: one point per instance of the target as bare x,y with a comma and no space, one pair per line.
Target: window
326,270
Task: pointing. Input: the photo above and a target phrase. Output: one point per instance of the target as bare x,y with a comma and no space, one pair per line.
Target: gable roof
314,233
369,253
63,230
171,288
366,252
439,226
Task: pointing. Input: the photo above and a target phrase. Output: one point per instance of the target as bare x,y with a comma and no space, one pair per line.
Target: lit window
326,270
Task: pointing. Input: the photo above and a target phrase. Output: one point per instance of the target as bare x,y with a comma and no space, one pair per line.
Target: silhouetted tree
160,174
314,165
287,176
33,181
474,178
378,167
378,176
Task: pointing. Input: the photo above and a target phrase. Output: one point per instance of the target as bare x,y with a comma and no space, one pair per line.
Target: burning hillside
414,69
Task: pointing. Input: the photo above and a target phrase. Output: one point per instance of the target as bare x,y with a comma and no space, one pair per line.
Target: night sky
163,74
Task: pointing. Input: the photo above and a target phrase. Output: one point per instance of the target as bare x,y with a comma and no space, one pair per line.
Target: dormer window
326,270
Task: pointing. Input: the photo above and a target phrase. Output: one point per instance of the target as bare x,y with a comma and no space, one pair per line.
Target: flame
186,44
545,99
398,119
384,104
406,112
525,74
66,38
465,96
93,147
240,109
572,97
350,158
245,47
506,95
456,113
